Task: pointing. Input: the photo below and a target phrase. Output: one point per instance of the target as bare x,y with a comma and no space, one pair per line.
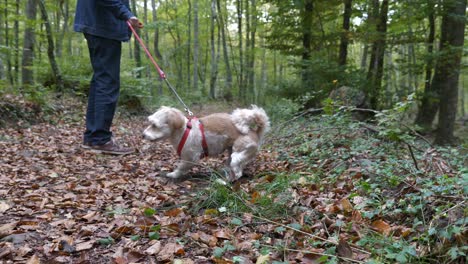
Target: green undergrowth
379,185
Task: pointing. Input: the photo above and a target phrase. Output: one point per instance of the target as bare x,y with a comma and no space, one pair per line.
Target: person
104,25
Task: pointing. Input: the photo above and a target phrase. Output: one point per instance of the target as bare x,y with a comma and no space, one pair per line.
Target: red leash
163,76
160,72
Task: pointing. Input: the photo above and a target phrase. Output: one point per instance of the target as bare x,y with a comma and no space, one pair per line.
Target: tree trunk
251,64
156,31
241,50
429,102
195,45
136,46
214,56
16,41
221,25
28,44
307,28
7,44
50,48
345,34
375,72
157,53
448,68
2,43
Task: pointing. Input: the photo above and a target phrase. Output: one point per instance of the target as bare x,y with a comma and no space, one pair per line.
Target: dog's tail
253,119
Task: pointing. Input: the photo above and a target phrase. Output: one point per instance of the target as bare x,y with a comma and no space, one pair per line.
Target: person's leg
104,91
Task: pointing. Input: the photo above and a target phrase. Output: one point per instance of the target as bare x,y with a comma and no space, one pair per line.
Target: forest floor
320,191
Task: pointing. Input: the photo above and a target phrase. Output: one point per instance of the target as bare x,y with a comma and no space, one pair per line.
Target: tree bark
376,64
16,41
28,44
50,48
242,85
345,34
196,48
221,25
307,28
7,44
251,63
429,102
214,56
136,46
448,68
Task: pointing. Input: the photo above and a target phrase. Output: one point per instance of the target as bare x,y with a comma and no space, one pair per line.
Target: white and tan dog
240,132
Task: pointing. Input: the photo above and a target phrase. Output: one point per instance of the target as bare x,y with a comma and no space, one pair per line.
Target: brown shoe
111,148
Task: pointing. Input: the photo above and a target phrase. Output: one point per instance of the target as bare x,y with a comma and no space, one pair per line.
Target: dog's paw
173,175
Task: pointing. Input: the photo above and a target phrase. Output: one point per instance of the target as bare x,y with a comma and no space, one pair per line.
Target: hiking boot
111,148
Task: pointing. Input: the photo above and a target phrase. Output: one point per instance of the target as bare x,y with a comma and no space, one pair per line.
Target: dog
240,133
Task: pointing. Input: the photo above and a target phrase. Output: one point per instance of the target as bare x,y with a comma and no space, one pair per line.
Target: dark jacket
103,18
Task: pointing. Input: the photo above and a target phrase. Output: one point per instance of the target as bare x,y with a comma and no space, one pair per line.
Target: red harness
186,134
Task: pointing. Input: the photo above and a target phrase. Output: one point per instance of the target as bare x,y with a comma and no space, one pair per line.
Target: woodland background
366,161
258,51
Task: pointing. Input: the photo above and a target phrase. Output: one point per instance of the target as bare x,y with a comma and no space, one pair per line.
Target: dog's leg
240,159
182,167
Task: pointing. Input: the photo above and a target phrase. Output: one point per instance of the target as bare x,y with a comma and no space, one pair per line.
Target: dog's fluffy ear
175,119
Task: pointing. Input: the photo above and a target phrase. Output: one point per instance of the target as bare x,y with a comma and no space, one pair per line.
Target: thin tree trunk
306,41
251,65
7,44
28,44
214,56
136,46
189,45
16,40
195,45
447,72
241,50
375,73
221,25
50,48
157,53
429,102
2,43
345,34
156,31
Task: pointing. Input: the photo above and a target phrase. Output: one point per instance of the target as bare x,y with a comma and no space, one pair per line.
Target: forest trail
322,192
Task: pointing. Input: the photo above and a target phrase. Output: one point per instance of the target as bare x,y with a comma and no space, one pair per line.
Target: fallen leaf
7,229
154,249
381,227
33,260
85,245
4,207
344,249
263,259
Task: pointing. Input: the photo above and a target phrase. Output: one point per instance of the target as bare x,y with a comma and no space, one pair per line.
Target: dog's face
162,124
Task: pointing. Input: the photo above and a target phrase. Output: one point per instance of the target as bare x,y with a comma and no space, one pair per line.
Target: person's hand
135,22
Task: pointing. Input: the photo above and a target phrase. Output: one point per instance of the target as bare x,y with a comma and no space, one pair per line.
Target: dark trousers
104,90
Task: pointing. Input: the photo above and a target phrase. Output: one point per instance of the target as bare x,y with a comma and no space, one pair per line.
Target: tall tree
7,44
16,41
429,102
241,48
251,52
447,68
50,48
136,46
28,43
214,54
157,52
375,73
345,34
307,20
196,48
222,28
